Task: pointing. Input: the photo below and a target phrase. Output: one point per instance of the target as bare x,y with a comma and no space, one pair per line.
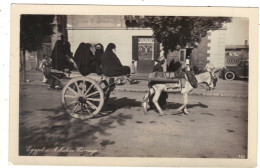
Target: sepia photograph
134,83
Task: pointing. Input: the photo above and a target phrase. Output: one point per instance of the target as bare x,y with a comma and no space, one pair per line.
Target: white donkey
209,78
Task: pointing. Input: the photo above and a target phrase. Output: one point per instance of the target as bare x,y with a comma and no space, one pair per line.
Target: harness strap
207,89
203,87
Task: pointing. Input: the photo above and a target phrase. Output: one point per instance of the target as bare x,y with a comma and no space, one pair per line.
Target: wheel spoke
72,103
73,91
75,108
93,99
90,87
91,94
77,86
81,109
91,104
70,96
87,108
84,87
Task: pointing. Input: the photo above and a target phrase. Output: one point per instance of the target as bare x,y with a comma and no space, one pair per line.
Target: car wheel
230,75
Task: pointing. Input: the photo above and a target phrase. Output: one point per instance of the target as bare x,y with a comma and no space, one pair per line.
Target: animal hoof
145,112
178,110
161,113
145,107
186,111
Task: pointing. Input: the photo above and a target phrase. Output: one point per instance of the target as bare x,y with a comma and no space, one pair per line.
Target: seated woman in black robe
111,65
94,62
99,51
85,61
82,58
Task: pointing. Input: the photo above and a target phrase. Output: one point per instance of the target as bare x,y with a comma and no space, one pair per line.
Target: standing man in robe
61,54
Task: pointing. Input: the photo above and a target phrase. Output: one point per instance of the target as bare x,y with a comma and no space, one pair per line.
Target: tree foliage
173,31
33,30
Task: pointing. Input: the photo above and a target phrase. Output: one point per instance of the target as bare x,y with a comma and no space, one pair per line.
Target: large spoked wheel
230,75
82,97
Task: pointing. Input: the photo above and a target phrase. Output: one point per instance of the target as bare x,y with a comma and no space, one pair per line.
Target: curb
218,95
197,94
145,91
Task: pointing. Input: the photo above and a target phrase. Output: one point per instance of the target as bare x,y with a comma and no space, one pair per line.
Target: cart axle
82,99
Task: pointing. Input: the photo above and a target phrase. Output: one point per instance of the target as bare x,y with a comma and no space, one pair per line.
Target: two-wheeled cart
83,97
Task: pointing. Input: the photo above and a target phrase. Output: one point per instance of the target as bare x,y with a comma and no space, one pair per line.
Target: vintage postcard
133,86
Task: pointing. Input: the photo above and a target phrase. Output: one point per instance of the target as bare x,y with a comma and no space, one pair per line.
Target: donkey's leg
185,92
185,110
185,97
185,102
156,97
146,99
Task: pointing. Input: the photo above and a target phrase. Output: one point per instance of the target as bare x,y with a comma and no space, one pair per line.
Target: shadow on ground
189,106
175,106
52,127
114,104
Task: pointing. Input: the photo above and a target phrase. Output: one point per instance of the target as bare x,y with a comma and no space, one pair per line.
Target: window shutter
135,48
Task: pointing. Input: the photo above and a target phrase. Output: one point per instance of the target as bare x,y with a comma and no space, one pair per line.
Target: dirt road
216,127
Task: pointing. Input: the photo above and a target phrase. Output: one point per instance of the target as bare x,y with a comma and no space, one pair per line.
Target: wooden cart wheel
82,97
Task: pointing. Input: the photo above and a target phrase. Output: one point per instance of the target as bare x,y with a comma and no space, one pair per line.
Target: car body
237,71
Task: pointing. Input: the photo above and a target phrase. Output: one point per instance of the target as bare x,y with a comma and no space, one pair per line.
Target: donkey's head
209,78
212,80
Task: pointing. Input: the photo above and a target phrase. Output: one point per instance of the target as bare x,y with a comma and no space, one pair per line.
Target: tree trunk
37,59
23,66
37,53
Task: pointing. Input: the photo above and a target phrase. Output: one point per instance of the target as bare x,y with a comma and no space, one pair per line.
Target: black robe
81,58
99,52
158,68
111,65
86,61
59,55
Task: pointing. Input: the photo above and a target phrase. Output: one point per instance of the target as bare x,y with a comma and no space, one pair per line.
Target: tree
177,31
33,30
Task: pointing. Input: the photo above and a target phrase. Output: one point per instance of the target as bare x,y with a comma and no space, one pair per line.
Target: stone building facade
137,47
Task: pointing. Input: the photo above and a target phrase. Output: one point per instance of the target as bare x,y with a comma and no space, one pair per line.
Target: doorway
145,51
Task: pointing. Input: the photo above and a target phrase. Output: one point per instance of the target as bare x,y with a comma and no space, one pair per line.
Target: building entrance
145,52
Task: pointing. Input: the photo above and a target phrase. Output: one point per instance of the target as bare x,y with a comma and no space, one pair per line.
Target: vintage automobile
237,71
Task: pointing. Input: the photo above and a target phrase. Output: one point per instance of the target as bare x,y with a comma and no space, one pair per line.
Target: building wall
95,21
34,58
216,46
199,56
121,37
211,49
31,60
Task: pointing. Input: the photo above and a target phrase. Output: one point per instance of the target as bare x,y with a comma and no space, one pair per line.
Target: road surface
216,127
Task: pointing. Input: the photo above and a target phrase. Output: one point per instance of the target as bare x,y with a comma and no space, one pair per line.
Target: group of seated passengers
90,59
102,62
